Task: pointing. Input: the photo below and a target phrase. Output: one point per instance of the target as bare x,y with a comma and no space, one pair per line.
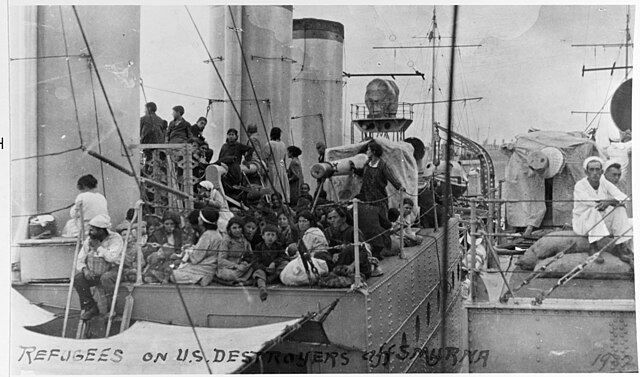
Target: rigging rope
48,154
106,97
193,327
45,212
224,86
255,95
144,94
73,93
95,111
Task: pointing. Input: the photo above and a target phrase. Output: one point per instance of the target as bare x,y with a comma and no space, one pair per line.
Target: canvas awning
145,348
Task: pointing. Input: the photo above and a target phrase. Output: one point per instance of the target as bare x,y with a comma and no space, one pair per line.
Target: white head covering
101,221
207,185
591,159
608,164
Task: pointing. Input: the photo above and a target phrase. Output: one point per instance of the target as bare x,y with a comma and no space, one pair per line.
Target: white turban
591,159
101,221
207,185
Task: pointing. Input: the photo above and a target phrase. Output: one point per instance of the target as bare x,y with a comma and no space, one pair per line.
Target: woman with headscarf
202,260
312,259
276,152
208,195
294,172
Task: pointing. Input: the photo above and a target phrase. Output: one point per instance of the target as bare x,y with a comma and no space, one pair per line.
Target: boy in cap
97,263
268,259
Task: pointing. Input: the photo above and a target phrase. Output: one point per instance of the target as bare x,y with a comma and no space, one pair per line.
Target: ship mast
627,39
627,43
434,131
431,36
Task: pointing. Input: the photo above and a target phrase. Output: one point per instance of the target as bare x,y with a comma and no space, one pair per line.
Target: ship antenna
447,186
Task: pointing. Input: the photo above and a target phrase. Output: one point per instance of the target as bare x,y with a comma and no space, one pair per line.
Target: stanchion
140,257
119,276
356,244
472,264
73,270
401,222
435,205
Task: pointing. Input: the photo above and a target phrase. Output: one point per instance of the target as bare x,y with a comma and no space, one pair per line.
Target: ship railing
379,110
473,231
171,165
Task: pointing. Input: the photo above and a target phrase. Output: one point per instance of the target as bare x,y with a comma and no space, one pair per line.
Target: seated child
231,266
404,223
268,259
130,268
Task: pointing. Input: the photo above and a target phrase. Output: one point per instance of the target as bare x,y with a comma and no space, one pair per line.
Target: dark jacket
261,258
375,225
374,182
152,129
160,237
179,132
235,150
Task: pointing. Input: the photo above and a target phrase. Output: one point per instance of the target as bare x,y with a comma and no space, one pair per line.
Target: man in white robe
598,210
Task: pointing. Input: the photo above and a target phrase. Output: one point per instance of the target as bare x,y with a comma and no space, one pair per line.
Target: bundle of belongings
538,156
42,226
575,249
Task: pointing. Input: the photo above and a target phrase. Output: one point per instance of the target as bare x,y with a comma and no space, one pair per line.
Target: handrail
136,215
139,255
73,270
356,240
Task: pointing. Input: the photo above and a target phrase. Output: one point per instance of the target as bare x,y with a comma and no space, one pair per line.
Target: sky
525,69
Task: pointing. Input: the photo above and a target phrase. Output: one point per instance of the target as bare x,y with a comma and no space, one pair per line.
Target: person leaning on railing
97,264
598,210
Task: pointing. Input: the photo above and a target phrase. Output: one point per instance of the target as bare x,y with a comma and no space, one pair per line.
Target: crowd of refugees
275,161
288,237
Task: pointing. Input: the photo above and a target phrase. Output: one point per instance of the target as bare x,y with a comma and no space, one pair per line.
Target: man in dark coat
152,127
179,129
198,128
231,154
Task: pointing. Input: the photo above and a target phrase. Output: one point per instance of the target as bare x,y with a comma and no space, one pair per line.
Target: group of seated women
270,245
292,249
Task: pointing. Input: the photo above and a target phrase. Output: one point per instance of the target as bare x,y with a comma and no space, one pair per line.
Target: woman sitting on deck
340,237
202,259
168,237
164,245
231,266
92,203
251,232
210,196
286,234
313,248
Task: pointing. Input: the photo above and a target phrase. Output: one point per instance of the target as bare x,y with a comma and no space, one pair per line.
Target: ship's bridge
391,125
